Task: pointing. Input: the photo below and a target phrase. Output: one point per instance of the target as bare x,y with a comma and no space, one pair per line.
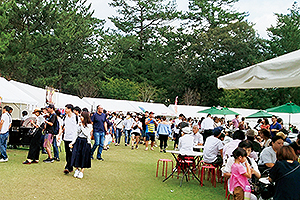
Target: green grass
125,174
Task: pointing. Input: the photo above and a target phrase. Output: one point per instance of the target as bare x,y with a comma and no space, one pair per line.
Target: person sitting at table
198,138
286,174
267,157
296,145
266,136
238,136
186,141
286,140
213,148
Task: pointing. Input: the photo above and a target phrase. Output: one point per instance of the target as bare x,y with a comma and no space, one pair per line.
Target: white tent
282,71
188,111
111,104
157,108
61,100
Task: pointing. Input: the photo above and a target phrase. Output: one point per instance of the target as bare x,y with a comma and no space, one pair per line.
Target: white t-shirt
119,123
186,143
268,155
128,123
6,122
212,148
207,124
71,127
176,122
137,130
198,138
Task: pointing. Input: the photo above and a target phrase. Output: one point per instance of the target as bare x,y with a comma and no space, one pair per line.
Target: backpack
55,126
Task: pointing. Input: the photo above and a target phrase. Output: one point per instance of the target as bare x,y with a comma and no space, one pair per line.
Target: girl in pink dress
239,175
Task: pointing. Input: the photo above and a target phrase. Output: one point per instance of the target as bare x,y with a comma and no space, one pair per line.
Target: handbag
268,191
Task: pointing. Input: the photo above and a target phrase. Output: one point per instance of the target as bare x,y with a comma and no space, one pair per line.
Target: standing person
143,119
176,130
127,126
207,125
236,122
150,130
265,124
164,132
70,130
49,132
81,144
34,148
239,175
56,139
99,131
275,126
77,112
118,126
5,124
198,138
137,126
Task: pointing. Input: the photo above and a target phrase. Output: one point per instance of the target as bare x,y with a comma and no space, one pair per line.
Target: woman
118,124
137,126
81,154
286,175
265,124
34,148
266,136
164,131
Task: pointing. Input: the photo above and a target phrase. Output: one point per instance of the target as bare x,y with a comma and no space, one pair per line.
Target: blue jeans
55,148
3,144
127,136
118,135
99,141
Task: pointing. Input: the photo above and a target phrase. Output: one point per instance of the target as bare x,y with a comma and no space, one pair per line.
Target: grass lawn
125,174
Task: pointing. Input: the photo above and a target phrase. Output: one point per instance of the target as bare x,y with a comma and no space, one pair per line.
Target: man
296,145
237,137
77,112
213,148
99,131
275,126
186,141
236,122
176,130
127,126
207,125
198,138
49,123
143,119
151,123
5,124
268,157
70,129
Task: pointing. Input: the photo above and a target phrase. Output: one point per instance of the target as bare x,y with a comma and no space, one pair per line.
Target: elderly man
5,124
268,157
186,141
99,131
198,138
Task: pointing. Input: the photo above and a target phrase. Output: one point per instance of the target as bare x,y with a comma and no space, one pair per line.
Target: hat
36,110
281,134
50,106
250,133
217,131
151,113
186,130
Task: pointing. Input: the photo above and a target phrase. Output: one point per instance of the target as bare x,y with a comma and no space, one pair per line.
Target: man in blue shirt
99,131
275,126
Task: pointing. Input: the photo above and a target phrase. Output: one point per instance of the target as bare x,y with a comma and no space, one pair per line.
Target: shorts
150,136
143,133
136,133
48,139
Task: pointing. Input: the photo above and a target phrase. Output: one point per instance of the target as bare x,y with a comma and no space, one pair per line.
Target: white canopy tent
282,71
111,104
157,108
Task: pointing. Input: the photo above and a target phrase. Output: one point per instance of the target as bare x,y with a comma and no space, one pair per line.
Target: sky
261,12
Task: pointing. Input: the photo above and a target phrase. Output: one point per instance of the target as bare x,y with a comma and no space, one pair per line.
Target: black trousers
68,156
34,148
206,134
163,141
176,136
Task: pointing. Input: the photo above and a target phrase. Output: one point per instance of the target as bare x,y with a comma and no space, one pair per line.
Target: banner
175,107
49,95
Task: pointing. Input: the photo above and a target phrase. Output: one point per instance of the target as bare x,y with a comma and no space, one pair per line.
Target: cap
217,131
36,110
186,130
151,113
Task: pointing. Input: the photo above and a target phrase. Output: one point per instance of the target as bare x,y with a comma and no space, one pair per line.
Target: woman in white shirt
81,154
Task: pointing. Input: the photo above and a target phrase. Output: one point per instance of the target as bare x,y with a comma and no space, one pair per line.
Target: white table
198,147
189,169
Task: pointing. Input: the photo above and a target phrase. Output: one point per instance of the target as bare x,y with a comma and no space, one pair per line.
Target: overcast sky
261,12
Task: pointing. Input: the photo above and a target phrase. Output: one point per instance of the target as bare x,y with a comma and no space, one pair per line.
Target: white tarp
282,71
12,94
157,108
111,104
61,100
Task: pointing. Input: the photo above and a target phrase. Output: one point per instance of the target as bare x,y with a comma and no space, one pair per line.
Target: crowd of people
243,154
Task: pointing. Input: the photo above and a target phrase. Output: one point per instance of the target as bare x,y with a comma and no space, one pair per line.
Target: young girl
81,153
239,175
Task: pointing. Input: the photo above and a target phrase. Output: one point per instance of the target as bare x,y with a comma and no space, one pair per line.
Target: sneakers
152,148
3,160
101,159
125,144
136,147
80,175
66,171
56,159
26,162
146,149
35,161
48,160
132,147
76,173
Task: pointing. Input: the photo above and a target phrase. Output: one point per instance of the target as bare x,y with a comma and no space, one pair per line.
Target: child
239,175
81,153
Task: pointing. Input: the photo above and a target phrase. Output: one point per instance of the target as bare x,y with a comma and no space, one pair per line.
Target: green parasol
260,114
290,108
213,111
226,111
